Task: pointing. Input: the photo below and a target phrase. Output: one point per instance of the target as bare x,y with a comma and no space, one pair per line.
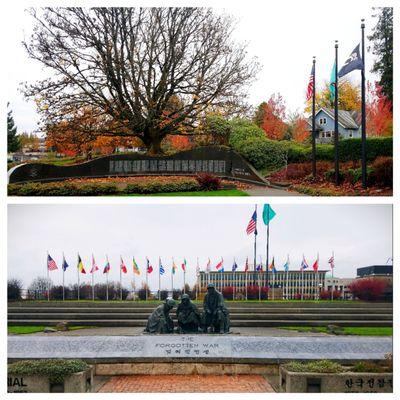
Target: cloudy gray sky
284,35
360,235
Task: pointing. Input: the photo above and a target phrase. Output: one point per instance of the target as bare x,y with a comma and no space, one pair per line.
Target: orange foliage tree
379,113
300,132
270,117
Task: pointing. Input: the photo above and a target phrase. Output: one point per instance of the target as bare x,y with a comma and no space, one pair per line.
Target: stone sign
214,348
217,160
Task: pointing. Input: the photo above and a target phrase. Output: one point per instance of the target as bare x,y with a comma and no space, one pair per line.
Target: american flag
331,261
310,87
51,264
252,225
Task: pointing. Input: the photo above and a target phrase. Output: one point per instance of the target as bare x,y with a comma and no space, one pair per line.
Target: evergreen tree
382,48
13,143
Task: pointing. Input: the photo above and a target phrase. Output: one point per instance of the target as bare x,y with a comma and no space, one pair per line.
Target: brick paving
187,384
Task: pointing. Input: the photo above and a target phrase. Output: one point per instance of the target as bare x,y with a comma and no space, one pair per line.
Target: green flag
332,83
268,214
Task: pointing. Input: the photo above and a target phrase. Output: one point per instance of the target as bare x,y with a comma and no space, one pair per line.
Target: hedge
97,189
55,370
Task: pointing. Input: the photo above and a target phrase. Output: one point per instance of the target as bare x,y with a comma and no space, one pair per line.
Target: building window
328,134
322,121
350,134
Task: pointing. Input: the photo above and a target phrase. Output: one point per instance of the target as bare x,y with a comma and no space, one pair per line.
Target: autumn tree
382,48
129,62
270,117
297,128
349,97
29,140
378,112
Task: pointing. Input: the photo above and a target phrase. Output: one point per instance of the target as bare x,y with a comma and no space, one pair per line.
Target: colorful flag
272,265
259,267
354,61
184,265
331,262
268,214
332,83
64,264
252,225
246,266
51,264
315,265
80,265
123,266
197,268
220,264
174,267
234,266
107,268
304,264
136,269
94,266
149,267
161,269
208,267
310,87
286,266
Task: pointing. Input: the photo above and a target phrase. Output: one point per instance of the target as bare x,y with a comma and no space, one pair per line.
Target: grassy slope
36,328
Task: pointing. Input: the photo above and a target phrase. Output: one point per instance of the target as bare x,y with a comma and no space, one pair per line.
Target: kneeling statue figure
189,318
160,321
216,315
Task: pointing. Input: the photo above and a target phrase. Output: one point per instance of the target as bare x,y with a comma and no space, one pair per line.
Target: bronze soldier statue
160,321
216,315
189,318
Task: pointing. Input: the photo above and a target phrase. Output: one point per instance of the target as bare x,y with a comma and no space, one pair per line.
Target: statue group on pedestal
215,318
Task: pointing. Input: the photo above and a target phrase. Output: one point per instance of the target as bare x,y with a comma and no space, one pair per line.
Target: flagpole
48,277
273,283
147,273
184,280
78,277
332,280
267,272
108,264
255,242
159,278
120,278
92,277
234,279
197,278
63,277
336,117
172,278
287,279
314,158
134,286
302,280
363,113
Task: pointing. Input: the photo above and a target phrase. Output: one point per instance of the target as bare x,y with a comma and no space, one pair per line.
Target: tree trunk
153,142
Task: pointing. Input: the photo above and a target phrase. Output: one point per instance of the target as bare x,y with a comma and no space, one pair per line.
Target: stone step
233,316
236,323
242,304
89,310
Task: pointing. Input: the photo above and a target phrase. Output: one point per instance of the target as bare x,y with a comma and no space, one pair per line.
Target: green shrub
320,366
242,130
365,366
55,370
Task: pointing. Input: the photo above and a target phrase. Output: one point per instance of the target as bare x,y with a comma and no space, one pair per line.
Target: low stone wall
345,382
184,369
80,382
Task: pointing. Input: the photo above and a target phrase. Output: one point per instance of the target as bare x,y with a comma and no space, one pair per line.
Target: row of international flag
51,265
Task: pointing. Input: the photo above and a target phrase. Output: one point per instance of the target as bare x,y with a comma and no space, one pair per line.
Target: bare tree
150,72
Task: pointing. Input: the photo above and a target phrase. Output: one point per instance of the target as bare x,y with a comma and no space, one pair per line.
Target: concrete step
242,304
237,323
233,316
257,310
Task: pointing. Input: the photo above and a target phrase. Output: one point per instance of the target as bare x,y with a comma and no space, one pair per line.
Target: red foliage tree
368,288
300,130
327,295
270,117
379,113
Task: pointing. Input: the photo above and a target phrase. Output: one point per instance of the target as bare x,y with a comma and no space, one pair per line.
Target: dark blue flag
353,62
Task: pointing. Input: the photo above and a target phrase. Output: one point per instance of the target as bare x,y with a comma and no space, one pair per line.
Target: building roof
348,119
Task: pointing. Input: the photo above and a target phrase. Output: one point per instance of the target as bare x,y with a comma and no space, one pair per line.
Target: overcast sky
284,35
360,235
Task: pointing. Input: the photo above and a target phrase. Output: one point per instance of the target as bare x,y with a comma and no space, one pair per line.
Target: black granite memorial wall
217,160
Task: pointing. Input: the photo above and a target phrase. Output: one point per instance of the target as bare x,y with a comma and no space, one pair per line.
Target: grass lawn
36,328
348,330
230,192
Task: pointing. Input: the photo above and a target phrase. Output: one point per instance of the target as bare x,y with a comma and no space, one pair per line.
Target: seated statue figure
160,321
189,318
216,315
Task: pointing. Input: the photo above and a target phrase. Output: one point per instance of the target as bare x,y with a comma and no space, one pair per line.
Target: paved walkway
187,384
269,191
135,331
